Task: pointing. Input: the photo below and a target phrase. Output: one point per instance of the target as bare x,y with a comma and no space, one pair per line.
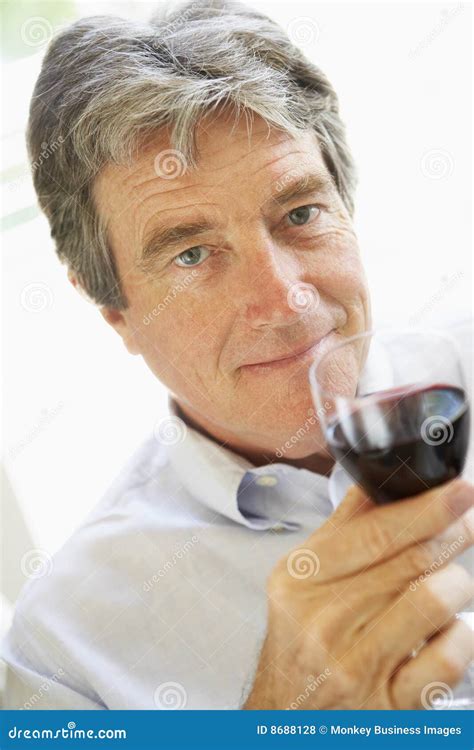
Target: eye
192,257
303,214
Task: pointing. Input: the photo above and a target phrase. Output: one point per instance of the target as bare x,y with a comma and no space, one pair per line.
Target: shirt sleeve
28,688
34,679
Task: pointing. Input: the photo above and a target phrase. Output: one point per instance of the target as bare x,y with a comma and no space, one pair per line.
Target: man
201,191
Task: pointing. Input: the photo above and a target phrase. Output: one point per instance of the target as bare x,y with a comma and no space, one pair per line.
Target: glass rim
402,331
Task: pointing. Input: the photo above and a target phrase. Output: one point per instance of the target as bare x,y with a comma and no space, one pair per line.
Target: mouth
299,357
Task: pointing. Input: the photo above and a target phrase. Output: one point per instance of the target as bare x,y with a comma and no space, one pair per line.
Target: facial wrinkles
242,265
293,328
171,193
204,188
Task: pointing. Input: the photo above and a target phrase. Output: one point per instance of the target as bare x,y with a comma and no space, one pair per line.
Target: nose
274,293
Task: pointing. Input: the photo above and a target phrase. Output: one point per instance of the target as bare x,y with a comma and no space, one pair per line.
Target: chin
301,438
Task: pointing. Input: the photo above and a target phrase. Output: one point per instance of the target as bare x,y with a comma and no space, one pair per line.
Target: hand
347,609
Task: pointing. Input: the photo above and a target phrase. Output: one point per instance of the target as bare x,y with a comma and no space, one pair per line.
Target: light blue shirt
158,599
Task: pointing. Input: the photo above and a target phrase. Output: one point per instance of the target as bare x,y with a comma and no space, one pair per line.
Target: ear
77,285
113,317
122,326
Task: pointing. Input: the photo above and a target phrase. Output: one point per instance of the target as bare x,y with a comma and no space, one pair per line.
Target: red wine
402,442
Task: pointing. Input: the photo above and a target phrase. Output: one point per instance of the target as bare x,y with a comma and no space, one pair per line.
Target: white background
76,404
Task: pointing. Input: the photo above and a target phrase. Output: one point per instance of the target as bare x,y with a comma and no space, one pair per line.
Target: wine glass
393,408
394,411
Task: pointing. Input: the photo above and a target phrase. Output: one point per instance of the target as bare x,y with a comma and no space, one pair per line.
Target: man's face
266,272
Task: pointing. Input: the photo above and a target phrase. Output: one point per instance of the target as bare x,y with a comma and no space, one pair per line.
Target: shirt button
266,480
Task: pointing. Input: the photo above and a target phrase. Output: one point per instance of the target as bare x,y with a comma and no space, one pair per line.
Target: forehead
235,166
224,148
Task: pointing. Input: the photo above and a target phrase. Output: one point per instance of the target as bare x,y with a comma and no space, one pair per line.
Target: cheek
175,327
339,371
338,271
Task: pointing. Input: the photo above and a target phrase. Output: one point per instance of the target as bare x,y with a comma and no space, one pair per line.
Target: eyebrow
162,240
304,185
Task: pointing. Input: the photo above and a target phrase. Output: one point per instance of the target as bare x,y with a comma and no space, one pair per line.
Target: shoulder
70,612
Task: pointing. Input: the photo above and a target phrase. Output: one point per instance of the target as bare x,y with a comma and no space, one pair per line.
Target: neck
319,463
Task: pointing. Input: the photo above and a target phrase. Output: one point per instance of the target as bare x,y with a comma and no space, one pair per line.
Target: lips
297,355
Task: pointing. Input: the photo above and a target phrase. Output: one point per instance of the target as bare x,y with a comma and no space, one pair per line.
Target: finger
419,561
355,502
438,667
384,531
419,614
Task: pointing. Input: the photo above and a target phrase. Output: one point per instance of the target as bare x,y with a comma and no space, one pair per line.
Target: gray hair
107,84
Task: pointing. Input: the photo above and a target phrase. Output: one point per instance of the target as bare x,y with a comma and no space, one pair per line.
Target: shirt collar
220,479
